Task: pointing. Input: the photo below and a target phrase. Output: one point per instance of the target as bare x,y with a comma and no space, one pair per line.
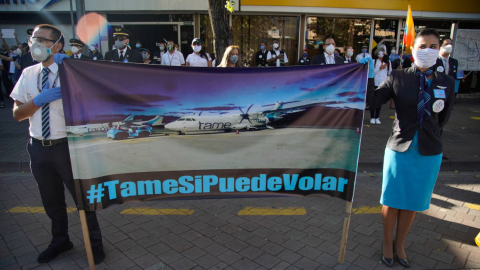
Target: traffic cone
238,132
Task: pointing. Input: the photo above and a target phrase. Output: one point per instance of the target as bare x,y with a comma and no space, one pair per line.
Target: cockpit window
193,119
188,119
181,119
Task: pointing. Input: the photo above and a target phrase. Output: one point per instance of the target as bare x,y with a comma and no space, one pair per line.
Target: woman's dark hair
212,55
428,32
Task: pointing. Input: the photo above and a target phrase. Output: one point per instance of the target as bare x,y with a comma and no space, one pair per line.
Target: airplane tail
157,121
130,118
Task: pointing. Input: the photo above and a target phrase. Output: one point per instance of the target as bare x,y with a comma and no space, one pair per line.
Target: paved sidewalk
216,234
461,139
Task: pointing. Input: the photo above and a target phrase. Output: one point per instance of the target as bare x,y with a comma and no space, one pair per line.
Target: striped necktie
45,108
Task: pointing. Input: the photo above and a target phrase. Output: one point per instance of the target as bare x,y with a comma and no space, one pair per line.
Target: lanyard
39,80
171,59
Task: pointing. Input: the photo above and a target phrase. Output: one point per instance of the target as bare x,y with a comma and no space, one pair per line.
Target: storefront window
346,32
385,33
250,31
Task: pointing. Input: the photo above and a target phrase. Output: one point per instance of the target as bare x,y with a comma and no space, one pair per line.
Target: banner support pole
86,239
346,225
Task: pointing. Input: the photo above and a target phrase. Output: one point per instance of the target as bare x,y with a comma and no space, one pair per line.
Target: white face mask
92,48
197,48
380,54
275,45
425,58
40,52
74,49
447,49
393,51
349,53
330,49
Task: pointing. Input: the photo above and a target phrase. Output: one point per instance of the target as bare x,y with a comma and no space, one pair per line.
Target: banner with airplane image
148,132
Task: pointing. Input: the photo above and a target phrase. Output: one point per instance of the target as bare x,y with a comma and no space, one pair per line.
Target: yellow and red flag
408,35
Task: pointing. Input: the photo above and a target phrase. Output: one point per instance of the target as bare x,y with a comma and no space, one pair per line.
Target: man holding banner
37,97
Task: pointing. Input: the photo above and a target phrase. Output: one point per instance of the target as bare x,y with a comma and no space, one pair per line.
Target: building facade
296,24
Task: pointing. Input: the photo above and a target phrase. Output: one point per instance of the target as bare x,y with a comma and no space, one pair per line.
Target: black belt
50,142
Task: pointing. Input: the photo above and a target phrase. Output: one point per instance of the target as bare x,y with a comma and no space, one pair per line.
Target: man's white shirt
175,59
27,88
277,52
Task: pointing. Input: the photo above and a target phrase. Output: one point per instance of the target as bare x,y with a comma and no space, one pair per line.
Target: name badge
439,93
260,56
125,60
346,62
301,61
438,106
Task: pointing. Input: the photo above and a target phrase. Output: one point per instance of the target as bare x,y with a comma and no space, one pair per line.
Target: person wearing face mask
423,103
172,57
16,62
157,56
447,64
328,57
146,56
94,53
393,54
198,58
261,56
349,55
76,47
304,61
138,45
38,98
382,68
231,57
123,53
363,54
277,57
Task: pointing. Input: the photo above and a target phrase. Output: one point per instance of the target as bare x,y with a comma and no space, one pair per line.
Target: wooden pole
346,225
86,239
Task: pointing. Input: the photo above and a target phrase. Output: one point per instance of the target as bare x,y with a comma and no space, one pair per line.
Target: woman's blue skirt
409,178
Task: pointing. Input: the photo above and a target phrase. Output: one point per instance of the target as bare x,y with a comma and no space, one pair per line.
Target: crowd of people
415,142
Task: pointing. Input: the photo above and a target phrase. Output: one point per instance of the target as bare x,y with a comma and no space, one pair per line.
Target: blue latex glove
58,58
47,95
371,68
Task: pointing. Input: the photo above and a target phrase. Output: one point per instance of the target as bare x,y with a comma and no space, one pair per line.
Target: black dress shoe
387,261
98,254
52,251
403,262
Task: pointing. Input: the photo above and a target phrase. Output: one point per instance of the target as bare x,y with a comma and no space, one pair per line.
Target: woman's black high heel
387,261
402,262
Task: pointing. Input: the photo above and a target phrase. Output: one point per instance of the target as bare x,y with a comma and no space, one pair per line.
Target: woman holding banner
231,57
423,102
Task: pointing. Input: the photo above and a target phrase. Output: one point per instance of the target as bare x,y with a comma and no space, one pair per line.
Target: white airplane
81,130
219,122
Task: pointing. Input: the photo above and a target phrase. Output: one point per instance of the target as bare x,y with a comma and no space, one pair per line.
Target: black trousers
51,167
375,113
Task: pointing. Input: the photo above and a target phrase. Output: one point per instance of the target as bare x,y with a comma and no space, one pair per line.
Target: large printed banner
146,132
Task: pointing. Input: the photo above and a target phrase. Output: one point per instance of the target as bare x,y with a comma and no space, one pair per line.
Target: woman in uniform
231,57
423,103
198,58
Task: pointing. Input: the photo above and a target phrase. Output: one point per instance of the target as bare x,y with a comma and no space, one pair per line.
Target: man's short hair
325,40
56,33
349,46
428,32
274,41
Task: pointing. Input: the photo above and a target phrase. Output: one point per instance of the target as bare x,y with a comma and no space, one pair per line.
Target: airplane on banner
103,127
253,121
199,123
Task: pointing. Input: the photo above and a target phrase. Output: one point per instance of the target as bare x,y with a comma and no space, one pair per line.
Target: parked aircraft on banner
245,120
104,127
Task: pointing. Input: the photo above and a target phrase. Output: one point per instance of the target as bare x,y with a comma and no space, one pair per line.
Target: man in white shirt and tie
327,57
38,98
363,54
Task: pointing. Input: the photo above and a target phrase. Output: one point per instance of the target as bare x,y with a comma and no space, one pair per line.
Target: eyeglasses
196,43
120,38
42,40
